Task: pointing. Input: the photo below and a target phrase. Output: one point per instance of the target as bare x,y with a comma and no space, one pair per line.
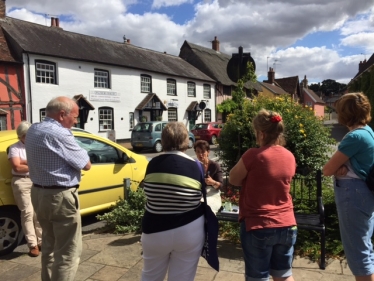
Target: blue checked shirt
53,155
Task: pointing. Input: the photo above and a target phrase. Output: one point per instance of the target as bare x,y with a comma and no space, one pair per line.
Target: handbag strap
203,185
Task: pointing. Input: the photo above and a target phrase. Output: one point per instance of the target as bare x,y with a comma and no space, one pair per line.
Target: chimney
305,82
2,9
362,66
53,21
271,75
128,41
57,20
215,44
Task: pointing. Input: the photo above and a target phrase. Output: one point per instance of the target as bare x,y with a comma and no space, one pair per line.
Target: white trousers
177,250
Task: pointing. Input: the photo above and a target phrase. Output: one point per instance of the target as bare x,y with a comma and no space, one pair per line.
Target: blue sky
320,39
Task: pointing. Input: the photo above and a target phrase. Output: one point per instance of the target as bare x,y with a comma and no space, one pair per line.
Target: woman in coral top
268,227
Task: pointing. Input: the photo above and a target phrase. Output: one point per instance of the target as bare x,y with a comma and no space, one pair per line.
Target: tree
330,86
315,87
238,95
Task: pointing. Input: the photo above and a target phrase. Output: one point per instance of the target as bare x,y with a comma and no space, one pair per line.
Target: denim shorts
268,251
355,206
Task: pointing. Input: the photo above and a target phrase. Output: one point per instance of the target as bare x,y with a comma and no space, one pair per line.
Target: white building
116,84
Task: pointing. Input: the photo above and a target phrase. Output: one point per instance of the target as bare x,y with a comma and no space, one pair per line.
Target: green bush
126,215
307,137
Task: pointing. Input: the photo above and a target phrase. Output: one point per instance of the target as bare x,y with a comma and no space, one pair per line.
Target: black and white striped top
173,188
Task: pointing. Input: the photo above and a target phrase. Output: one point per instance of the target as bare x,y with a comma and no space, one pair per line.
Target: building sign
172,103
105,96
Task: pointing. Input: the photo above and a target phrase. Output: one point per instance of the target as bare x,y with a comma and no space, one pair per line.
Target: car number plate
139,144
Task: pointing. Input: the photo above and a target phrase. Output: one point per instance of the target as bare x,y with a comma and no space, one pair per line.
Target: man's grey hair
22,128
57,104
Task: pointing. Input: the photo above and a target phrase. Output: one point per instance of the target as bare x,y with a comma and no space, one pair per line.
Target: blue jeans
267,251
355,206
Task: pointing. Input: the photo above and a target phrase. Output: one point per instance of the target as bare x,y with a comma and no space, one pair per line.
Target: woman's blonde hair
174,137
271,124
353,109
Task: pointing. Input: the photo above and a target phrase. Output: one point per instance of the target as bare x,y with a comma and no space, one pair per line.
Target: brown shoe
34,251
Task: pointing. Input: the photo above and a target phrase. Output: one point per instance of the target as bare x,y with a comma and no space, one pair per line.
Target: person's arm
238,173
18,165
88,166
335,166
215,179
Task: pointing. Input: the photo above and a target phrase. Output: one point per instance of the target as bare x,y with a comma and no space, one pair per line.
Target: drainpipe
29,86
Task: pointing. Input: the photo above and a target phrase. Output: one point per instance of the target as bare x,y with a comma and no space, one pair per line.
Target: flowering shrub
306,136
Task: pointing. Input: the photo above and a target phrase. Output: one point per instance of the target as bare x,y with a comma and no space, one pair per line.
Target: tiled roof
81,97
289,84
5,54
367,64
212,63
191,106
313,96
273,88
147,99
53,41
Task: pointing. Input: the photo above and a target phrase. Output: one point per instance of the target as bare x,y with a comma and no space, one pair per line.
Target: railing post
126,187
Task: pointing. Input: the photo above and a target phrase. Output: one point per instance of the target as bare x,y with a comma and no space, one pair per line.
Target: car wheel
158,146
190,143
214,139
10,231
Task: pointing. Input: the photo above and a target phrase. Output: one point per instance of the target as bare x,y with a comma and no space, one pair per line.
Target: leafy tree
330,86
315,87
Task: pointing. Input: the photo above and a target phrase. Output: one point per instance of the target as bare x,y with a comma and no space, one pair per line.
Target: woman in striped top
173,223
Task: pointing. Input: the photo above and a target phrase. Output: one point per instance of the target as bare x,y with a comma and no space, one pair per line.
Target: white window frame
145,83
45,72
101,79
131,120
172,114
3,122
207,91
42,114
171,85
106,119
191,89
207,115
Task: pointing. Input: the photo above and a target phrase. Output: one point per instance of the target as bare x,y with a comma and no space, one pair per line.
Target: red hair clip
276,119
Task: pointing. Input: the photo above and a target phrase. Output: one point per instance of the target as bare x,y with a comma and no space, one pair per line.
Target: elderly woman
21,185
213,175
173,223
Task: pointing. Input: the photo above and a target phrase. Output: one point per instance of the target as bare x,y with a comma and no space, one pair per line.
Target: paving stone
86,270
6,266
109,273
19,273
134,273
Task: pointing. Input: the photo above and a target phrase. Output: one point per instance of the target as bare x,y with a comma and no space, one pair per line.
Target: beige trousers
30,225
59,216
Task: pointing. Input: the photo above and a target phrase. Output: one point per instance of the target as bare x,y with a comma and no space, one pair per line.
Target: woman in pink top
268,227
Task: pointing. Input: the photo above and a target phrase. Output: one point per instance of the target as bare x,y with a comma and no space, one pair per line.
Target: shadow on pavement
229,250
125,241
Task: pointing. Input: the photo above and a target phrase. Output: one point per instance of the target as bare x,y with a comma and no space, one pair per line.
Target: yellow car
113,166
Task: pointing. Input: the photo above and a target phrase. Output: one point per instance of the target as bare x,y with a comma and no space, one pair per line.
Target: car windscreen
143,127
200,127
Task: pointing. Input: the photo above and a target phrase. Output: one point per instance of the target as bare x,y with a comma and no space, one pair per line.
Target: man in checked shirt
55,162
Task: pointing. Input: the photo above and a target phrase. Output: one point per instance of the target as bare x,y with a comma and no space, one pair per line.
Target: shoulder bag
209,251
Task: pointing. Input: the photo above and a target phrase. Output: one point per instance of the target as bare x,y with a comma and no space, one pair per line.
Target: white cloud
168,3
266,28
